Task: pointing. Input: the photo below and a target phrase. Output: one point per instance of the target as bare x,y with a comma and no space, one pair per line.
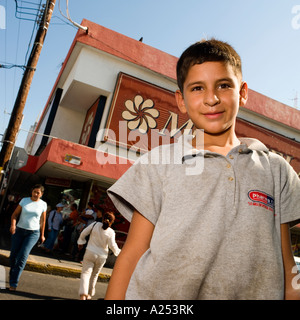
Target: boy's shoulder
278,164
159,155
254,144
257,145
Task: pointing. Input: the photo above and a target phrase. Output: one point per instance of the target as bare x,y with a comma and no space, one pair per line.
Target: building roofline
141,54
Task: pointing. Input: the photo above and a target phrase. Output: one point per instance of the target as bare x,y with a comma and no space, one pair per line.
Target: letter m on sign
173,119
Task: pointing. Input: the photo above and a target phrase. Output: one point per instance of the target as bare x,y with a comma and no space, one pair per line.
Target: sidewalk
56,264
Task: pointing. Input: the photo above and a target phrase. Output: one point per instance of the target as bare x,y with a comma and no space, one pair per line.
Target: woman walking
31,212
102,238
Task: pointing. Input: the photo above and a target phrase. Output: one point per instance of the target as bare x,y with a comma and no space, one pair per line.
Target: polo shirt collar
187,150
247,145
254,144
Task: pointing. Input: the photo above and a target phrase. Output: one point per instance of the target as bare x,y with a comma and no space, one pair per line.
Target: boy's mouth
213,115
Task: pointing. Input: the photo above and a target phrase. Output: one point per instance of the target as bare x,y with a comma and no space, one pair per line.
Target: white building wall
68,124
38,137
94,73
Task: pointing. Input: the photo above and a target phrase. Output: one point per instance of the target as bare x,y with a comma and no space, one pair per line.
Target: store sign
72,159
143,115
58,182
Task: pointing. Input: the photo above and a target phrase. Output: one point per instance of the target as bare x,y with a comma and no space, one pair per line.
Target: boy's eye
197,88
224,86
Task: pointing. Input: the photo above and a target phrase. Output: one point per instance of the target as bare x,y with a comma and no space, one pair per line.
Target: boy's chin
217,131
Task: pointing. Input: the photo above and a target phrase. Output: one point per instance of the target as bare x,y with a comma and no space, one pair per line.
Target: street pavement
56,272
56,263
41,286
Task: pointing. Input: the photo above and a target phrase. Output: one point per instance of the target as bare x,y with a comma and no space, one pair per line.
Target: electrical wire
33,29
63,22
10,66
16,57
69,18
5,57
31,9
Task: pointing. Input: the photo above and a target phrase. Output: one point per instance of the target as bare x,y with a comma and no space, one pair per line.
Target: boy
219,234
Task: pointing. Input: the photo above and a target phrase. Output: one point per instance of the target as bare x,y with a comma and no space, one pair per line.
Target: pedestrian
100,212
55,221
69,226
89,216
31,213
213,223
102,238
86,218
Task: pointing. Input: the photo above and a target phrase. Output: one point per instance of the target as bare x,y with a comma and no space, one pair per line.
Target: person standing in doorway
89,216
70,224
31,212
55,221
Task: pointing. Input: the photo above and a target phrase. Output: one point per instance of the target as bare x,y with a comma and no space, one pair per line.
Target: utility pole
17,113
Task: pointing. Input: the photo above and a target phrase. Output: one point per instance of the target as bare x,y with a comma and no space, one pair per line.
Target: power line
10,66
29,9
16,57
17,116
37,17
69,18
5,57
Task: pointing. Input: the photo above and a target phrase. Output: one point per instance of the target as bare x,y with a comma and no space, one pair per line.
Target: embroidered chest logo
261,199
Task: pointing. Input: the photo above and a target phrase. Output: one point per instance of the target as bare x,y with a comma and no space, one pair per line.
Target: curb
51,269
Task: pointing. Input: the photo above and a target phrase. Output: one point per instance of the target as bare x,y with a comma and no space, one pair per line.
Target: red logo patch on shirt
261,199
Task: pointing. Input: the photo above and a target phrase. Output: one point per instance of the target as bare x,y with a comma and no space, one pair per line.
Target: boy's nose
211,98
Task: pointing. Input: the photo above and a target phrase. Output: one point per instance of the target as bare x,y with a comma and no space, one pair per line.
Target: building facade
113,100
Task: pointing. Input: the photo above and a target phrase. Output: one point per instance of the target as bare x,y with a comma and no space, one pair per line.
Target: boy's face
212,94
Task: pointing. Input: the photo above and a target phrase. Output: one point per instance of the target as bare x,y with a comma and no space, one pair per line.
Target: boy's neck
221,143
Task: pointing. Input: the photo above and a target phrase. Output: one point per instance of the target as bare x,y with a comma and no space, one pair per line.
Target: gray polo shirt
217,232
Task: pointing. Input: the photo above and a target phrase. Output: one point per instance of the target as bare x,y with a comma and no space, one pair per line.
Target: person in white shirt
102,238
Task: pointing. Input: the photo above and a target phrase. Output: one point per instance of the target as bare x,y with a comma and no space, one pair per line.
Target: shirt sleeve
287,186
21,203
113,245
138,189
45,207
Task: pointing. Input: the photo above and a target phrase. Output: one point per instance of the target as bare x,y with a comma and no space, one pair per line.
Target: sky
265,33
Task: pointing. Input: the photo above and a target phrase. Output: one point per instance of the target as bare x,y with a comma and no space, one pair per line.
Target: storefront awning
64,159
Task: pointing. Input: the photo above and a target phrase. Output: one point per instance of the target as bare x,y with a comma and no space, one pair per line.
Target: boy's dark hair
204,51
38,186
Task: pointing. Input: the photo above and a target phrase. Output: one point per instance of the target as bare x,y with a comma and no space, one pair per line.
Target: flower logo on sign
140,114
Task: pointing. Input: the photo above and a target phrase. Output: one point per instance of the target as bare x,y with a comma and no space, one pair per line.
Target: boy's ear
180,101
243,94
